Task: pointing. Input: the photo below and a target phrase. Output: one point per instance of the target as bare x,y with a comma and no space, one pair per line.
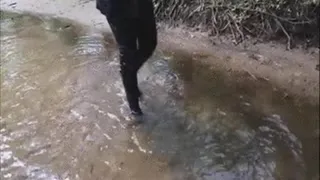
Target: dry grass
291,19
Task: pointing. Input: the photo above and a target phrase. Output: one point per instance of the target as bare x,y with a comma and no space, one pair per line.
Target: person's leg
125,33
147,32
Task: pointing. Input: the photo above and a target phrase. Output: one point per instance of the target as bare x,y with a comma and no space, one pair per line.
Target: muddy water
64,114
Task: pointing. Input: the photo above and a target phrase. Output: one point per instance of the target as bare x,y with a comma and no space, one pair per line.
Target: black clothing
133,25
119,8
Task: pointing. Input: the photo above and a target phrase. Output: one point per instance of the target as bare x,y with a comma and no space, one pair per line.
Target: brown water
64,115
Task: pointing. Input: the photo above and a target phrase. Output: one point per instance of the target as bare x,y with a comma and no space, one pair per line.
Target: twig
174,7
194,11
238,29
286,33
253,76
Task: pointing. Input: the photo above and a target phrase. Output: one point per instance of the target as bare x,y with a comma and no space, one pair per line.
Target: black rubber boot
135,107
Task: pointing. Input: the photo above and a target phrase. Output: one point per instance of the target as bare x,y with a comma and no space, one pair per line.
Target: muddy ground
294,70
212,112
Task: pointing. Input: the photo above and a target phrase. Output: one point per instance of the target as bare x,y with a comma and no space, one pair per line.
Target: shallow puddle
64,114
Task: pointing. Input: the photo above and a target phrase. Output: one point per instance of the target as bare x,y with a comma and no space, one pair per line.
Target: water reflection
64,114
261,127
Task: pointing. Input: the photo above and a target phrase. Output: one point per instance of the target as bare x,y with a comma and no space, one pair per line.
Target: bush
292,19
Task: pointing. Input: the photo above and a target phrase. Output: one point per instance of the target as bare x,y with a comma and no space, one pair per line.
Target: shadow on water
64,114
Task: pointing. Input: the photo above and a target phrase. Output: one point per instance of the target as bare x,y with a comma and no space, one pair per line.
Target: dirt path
294,71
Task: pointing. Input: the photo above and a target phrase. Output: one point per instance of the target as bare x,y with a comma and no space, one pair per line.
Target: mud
64,114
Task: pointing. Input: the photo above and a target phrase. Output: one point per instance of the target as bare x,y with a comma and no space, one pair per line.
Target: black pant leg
125,33
147,31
